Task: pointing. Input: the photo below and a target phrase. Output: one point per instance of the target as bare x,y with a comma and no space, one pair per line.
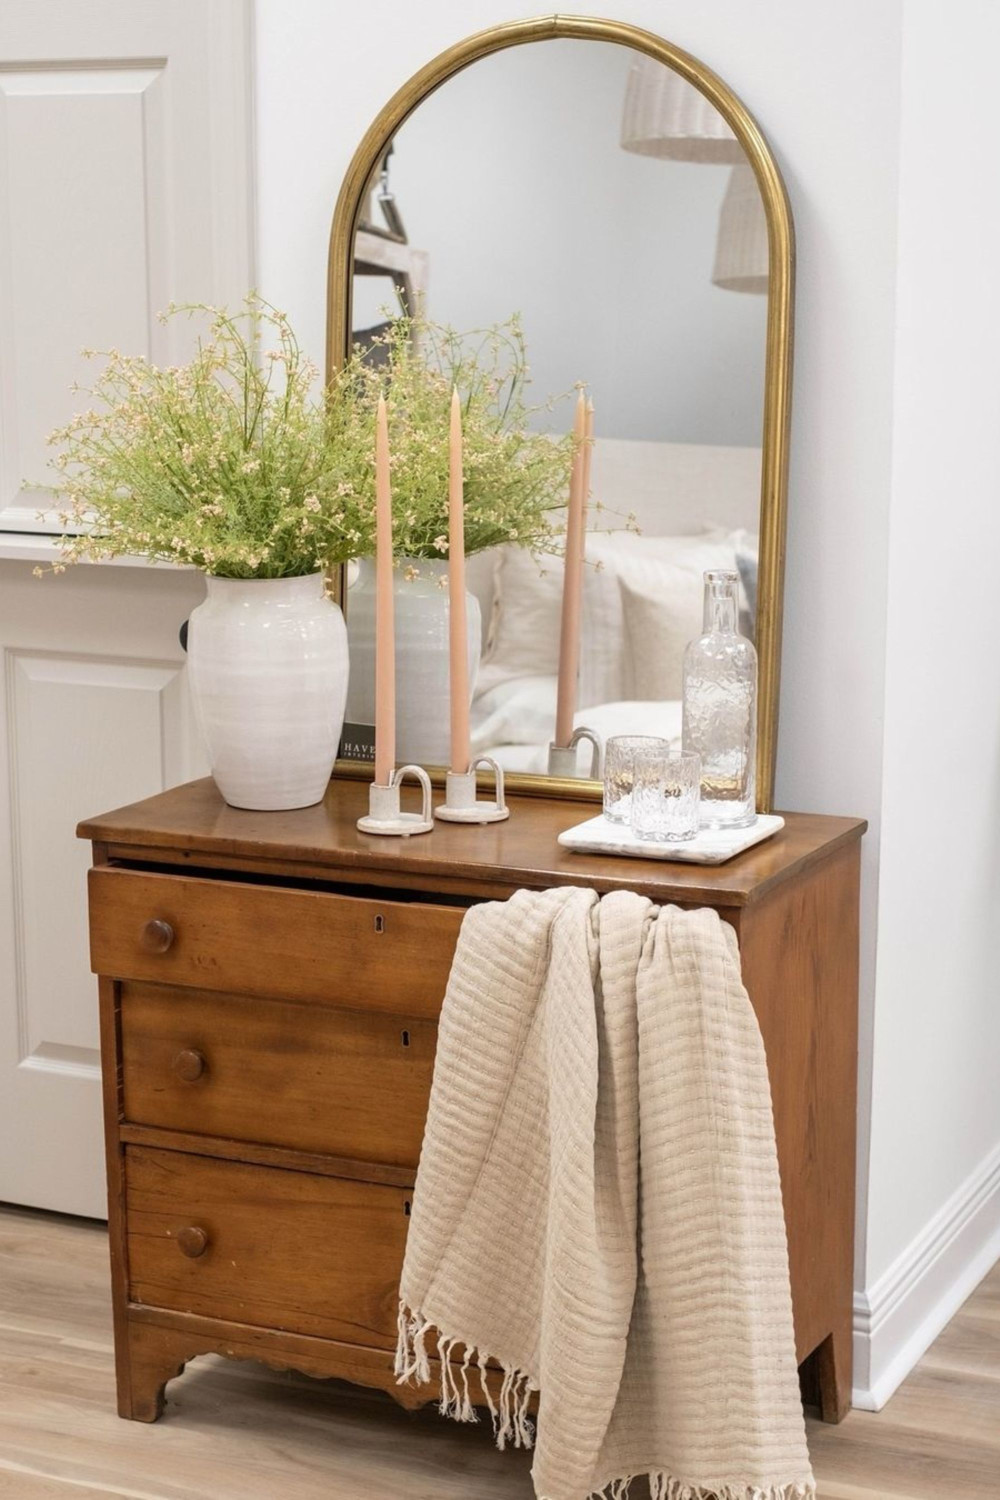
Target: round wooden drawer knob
192,1241
157,936
189,1064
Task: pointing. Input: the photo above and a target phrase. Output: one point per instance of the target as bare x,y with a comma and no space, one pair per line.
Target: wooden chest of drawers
270,986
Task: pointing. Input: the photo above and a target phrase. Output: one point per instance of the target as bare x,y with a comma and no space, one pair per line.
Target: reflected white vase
423,677
268,667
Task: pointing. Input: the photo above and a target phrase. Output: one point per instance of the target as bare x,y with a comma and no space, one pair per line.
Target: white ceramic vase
423,678
267,664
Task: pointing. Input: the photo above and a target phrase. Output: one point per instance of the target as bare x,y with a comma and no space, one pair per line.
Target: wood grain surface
236,1431
232,950
799,957
192,826
248,939
284,1250
347,1083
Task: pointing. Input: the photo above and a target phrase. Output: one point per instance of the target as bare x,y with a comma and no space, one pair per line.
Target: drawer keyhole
380,923
406,1208
405,1038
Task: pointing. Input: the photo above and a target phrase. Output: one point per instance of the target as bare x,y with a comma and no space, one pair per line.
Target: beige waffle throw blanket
598,1207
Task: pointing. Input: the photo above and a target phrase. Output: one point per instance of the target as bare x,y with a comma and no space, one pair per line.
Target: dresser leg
146,1359
832,1367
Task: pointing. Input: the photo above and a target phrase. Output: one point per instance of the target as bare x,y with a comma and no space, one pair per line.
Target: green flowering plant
225,463
516,480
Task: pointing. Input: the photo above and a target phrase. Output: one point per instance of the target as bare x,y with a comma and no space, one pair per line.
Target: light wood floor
239,1432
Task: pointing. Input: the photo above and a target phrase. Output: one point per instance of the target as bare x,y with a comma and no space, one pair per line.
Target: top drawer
269,941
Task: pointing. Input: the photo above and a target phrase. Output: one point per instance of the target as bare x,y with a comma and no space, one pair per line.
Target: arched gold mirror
612,193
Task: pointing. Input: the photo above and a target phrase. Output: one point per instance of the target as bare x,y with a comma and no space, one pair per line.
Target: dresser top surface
193,826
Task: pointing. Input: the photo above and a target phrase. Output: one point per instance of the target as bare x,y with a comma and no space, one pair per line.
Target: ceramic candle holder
384,815
460,805
562,758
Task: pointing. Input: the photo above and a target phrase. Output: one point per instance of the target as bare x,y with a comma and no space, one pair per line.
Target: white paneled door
124,185
124,162
94,713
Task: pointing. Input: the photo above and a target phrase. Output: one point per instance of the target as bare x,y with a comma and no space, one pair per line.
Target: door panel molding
119,711
125,184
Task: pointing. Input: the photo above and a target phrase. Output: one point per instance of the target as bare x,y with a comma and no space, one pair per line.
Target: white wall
939,921
860,664
935,1141
525,202
830,108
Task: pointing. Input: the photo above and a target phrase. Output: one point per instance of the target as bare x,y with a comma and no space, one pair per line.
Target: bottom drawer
264,1246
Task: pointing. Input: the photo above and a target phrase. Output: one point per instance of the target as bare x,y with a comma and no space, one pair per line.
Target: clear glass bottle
720,708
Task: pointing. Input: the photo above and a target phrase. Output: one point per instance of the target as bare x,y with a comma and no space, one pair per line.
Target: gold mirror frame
778,357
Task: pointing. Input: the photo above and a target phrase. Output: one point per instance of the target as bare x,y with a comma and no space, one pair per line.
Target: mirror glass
596,194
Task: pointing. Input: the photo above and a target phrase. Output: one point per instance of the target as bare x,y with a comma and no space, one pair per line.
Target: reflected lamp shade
668,117
742,259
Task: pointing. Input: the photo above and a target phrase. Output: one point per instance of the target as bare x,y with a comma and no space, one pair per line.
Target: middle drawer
342,1083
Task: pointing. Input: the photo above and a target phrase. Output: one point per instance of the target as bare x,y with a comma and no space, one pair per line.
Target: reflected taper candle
385,648
457,623
576,520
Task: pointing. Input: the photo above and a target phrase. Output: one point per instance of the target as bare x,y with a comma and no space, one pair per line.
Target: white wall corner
899,1317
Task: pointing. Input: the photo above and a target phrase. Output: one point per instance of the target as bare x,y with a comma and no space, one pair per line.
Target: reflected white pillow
658,626
663,608
524,637
514,722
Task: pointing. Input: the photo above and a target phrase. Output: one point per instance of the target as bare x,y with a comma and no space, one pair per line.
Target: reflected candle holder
563,758
384,815
460,804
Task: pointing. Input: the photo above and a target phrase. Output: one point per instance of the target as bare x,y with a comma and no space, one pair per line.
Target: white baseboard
897,1319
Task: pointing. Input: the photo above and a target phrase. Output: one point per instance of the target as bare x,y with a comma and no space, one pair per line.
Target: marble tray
710,847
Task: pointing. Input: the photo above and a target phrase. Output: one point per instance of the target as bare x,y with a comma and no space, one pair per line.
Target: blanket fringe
512,1424
509,1413
412,1362
662,1487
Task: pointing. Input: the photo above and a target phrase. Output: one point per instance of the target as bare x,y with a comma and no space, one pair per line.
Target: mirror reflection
596,195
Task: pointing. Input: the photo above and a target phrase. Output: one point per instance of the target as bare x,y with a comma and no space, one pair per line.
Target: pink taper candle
457,624
576,520
385,648
588,453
